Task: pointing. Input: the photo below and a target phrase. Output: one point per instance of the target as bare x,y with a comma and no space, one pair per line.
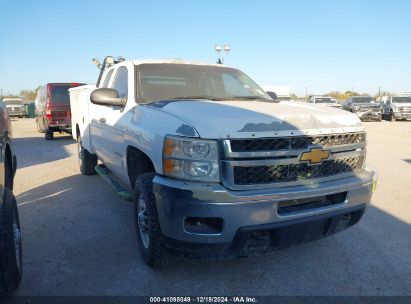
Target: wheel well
77,131
137,163
8,168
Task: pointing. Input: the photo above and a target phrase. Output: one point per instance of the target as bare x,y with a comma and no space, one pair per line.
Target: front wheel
149,236
11,266
87,161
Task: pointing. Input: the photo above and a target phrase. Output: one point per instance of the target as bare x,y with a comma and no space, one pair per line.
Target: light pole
222,51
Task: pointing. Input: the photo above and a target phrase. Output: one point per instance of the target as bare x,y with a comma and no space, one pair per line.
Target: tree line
26,95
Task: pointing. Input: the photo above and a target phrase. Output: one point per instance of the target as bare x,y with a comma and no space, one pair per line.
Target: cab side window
107,79
121,82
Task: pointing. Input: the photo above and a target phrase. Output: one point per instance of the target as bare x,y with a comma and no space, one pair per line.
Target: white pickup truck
218,169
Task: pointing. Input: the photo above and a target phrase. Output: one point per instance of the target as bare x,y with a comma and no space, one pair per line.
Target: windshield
184,81
13,101
402,99
325,100
362,100
60,94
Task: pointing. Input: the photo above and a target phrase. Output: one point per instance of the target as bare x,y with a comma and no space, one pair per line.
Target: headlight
190,158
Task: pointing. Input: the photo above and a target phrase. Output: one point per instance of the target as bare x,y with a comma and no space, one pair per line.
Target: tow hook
261,235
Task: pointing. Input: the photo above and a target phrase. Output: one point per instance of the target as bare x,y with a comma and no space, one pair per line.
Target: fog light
203,225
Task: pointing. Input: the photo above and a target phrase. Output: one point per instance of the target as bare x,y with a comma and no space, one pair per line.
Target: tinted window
13,101
121,82
235,87
107,79
185,81
362,99
60,94
401,99
325,100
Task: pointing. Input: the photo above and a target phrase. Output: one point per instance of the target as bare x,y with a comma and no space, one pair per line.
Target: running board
107,175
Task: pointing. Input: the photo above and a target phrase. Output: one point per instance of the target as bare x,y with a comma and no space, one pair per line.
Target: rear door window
60,94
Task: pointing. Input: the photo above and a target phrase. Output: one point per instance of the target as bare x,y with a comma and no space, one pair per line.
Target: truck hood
402,104
243,119
14,105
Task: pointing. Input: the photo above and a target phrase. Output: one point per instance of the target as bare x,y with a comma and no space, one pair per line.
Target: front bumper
178,200
17,113
402,115
369,115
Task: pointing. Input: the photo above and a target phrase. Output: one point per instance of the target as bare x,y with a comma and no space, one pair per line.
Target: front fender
146,129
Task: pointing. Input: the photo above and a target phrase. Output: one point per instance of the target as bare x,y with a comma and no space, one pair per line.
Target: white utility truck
396,106
217,168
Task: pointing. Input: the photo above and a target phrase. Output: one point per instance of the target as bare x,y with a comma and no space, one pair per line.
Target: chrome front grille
297,142
275,162
294,172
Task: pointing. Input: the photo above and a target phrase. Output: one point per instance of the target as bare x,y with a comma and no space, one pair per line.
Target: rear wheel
11,266
149,236
87,161
48,134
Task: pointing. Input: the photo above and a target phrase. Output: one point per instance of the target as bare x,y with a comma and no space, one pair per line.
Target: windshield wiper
249,98
209,97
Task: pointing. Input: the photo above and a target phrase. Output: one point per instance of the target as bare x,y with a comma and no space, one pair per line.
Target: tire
9,174
11,266
87,161
48,134
151,242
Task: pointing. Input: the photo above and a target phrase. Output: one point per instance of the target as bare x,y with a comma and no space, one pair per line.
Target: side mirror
107,97
273,95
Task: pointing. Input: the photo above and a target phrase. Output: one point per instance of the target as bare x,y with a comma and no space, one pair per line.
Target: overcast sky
322,45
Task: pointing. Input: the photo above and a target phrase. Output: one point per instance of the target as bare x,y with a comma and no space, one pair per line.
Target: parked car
218,170
396,106
53,109
325,100
15,107
364,107
10,233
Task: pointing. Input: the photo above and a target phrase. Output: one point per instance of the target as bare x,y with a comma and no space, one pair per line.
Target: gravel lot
78,236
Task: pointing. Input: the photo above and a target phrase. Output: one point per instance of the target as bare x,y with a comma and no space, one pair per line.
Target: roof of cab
172,61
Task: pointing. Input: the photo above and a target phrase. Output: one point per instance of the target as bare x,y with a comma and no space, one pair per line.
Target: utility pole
306,90
379,92
1,93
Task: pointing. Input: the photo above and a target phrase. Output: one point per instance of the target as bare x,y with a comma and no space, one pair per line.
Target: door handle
102,120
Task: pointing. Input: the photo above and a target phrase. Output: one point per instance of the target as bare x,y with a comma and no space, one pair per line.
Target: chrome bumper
402,115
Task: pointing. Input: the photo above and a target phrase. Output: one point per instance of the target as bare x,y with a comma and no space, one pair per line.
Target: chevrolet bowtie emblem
315,156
